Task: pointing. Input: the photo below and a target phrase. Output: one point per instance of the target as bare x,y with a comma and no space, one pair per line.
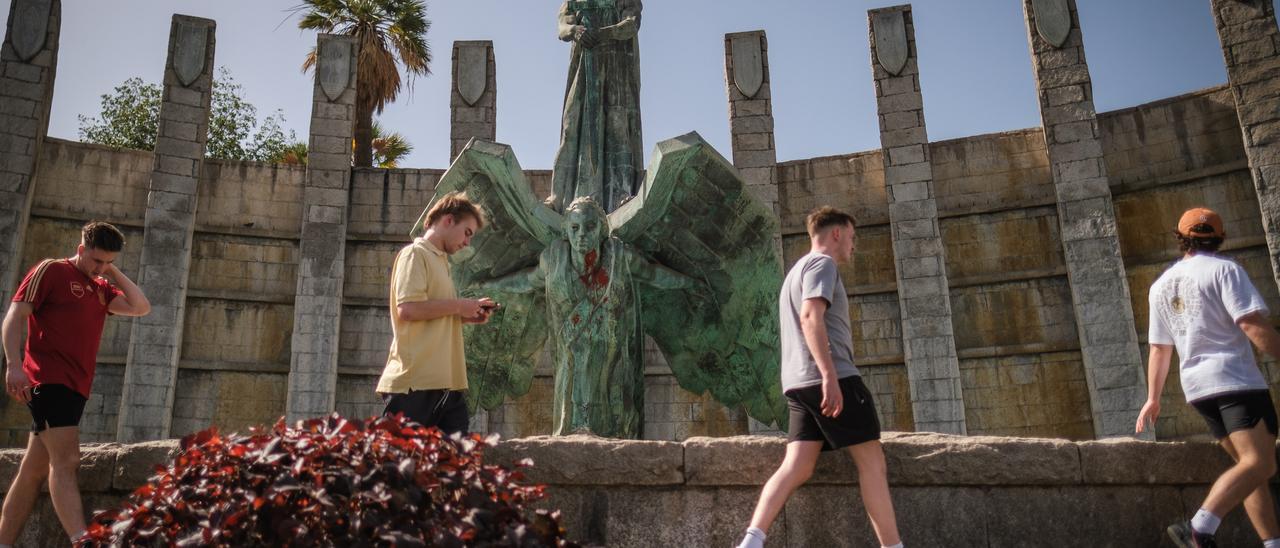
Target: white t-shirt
1194,306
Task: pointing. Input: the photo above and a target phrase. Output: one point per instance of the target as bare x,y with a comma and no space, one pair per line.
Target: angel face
585,225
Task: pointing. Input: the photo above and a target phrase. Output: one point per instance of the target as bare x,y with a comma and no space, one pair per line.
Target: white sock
753,539
1205,522
898,545
1271,543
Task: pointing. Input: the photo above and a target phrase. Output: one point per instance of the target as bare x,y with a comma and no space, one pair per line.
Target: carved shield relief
891,40
473,72
748,65
333,67
30,27
1053,20
190,51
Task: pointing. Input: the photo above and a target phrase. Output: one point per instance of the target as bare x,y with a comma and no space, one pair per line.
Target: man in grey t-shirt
830,407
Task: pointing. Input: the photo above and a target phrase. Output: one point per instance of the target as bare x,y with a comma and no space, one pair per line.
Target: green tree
130,119
390,33
389,147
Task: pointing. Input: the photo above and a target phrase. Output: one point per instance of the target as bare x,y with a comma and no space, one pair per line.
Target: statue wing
502,353
694,215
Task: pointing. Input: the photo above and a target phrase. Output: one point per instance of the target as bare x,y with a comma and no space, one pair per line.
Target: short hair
456,204
826,216
100,235
586,203
1197,245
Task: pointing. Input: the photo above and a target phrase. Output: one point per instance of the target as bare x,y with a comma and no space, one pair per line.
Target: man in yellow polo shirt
426,371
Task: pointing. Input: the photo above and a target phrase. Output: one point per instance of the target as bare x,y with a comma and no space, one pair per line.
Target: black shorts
856,424
55,406
1235,411
444,409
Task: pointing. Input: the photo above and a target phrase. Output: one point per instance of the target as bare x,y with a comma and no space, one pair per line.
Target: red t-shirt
65,328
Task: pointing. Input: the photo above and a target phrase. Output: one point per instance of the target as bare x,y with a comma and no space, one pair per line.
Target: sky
975,66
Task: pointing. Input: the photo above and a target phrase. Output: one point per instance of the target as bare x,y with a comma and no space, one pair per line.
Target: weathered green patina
601,152
690,261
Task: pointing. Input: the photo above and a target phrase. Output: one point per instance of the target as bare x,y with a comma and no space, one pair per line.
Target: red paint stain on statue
595,276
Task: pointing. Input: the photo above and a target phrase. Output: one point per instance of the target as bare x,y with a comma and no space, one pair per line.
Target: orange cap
1197,216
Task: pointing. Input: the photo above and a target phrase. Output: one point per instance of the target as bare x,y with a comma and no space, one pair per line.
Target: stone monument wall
948,490
1008,277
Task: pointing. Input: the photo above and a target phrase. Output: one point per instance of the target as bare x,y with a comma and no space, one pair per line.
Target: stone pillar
933,369
746,75
746,80
317,306
28,61
155,342
473,105
1250,47
1099,290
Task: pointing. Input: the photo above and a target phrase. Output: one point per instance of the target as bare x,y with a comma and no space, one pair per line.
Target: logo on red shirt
77,289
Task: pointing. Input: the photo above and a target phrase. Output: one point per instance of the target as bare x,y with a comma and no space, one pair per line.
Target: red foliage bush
331,482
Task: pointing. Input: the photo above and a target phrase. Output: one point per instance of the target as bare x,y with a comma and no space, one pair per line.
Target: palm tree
390,33
389,147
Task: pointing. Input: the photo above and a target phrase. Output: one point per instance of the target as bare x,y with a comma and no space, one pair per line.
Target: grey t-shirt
814,275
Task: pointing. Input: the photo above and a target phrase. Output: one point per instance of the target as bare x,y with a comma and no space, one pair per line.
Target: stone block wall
1015,335
947,490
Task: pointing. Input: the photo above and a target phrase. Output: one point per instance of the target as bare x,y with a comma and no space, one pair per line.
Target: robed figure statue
601,154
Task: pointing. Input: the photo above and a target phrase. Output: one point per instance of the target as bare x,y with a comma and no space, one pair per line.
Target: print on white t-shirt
1179,303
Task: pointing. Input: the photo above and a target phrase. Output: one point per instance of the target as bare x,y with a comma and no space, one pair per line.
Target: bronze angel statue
690,261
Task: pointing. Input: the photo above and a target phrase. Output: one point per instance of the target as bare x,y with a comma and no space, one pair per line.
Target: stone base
947,490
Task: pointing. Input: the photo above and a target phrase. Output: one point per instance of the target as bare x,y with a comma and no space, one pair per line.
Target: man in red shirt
63,303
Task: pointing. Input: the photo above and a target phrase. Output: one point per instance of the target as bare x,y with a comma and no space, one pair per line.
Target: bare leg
796,468
1258,505
1255,464
24,490
63,445
873,481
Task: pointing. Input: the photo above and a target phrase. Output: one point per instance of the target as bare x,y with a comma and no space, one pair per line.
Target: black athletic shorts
857,423
1235,411
444,409
54,406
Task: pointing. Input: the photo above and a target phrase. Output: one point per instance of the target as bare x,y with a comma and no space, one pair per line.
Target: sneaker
1186,537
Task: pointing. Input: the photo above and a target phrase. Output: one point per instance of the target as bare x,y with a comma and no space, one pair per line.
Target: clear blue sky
975,66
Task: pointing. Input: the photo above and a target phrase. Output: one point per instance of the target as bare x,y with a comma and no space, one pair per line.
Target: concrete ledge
589,460
948,490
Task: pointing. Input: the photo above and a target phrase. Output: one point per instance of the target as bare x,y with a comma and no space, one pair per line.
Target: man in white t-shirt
1206,307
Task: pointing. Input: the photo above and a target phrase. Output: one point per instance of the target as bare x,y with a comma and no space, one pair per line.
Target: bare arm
1157,371
1257,326
13,332
133,302
814,326
420,311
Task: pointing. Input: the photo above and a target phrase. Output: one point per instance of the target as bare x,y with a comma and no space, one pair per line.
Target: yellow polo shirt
425,355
